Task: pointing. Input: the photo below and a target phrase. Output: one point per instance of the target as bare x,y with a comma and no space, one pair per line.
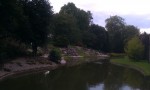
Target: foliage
55,55
97,38
33,23
129,32
27,21
9,48
81,18
115,25
145,40
39,13
61,41
12,23
135,49
119,33
65,30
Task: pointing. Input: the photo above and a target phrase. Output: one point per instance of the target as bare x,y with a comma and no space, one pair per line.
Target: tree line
32,23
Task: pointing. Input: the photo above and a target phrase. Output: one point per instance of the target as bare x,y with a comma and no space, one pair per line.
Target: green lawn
143,66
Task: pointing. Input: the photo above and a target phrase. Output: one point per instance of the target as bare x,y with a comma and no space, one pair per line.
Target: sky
135,12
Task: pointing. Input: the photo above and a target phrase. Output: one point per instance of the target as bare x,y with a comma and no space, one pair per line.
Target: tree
129,32
82,18
65,30
119,33
12,28
12,19
144,37
135,49
97,38
115,26
39,13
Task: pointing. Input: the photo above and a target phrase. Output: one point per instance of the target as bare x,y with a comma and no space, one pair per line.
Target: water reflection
83,77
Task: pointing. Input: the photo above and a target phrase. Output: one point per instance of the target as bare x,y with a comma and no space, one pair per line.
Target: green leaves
134,49
83,18
39,13
65,30
55,55
97,38
119,33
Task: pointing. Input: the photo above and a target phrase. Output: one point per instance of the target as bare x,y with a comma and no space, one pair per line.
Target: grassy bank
142,66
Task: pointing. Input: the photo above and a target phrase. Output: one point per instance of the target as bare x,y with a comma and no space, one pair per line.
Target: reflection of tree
77,78
146,84
114,78
67,79
80,78
133,78
119,76
96,74
28,82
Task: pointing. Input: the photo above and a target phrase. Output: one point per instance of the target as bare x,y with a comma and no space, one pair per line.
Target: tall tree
12,19
97,38
65,30
83,18
13,29
39,13
145,40
119,33
129,32
115,26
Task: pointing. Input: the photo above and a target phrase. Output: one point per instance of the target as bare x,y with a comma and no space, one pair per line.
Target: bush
135,49
55,55
10,48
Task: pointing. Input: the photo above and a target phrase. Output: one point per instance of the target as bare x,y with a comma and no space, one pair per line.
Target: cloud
100,17
124,7
141,21
147,30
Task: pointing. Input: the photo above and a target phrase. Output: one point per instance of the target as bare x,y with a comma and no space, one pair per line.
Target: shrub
135,49
55,55
10,48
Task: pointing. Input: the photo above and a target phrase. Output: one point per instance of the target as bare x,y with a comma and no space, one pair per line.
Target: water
92,76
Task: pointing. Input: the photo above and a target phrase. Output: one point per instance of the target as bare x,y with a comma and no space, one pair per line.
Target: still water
92,76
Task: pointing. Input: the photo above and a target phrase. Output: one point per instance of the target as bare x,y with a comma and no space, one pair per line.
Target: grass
142,66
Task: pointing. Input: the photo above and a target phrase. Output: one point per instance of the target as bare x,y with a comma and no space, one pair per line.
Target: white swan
47,72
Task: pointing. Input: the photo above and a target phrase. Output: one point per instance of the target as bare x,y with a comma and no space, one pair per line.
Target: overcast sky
135,12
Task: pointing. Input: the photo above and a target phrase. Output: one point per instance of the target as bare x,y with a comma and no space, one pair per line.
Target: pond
91,76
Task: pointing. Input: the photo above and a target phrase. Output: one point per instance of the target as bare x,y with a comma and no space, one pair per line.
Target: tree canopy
119,33
32,23
39,13
65,30
97,38
144,37
83,18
